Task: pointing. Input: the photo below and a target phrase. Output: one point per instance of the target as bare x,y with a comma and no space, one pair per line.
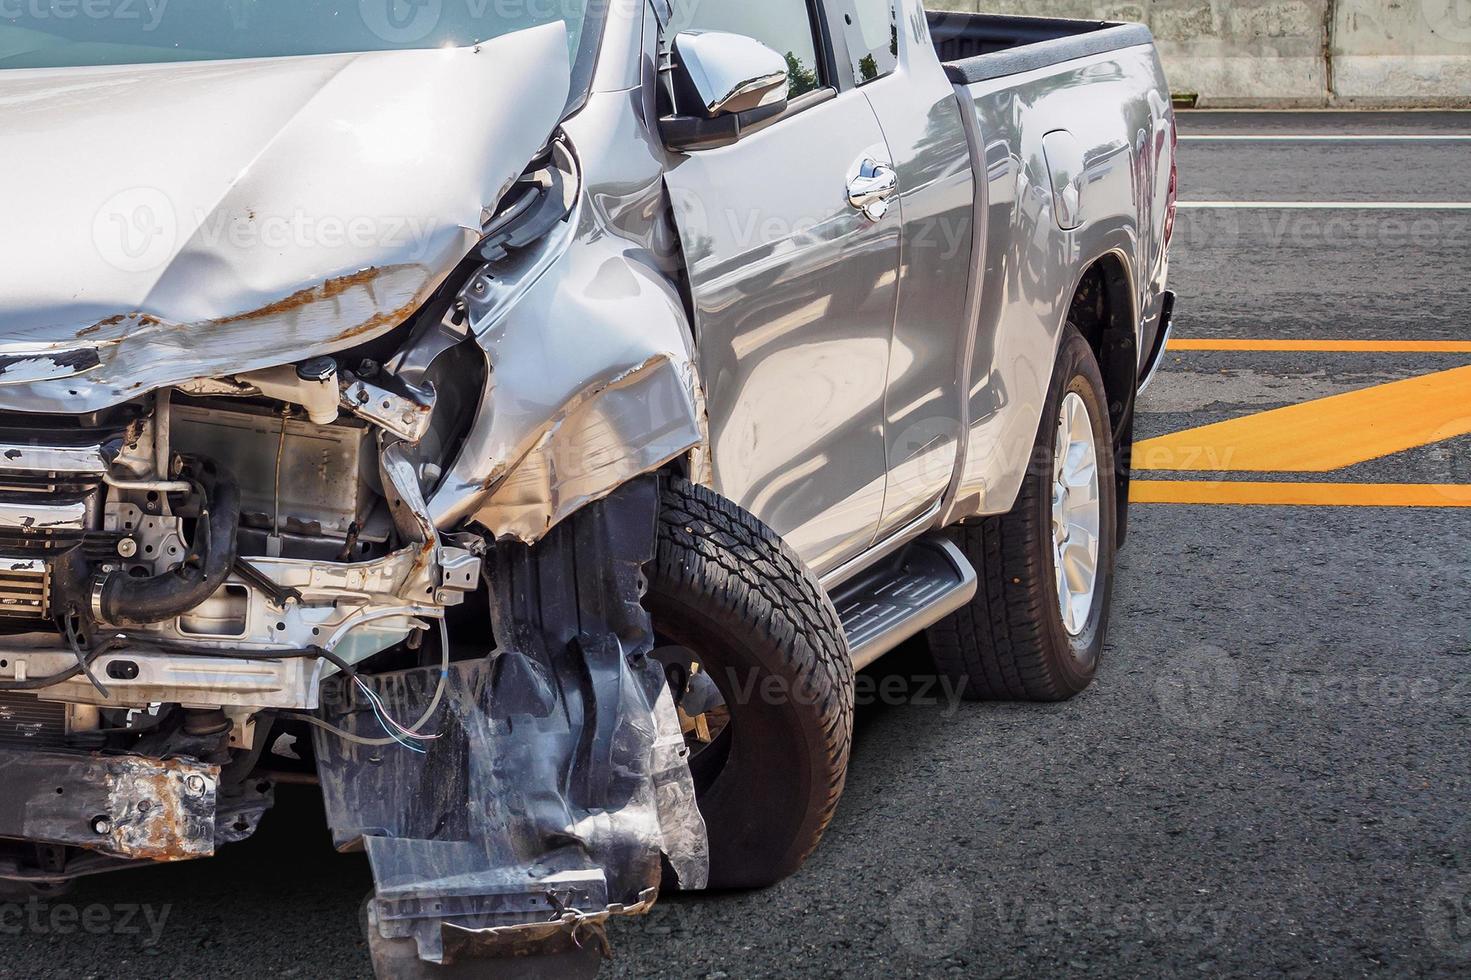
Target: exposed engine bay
324,562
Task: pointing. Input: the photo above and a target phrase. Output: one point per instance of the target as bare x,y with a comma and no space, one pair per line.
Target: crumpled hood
170,222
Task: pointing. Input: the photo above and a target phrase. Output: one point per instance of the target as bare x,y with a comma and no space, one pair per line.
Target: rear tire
728,589
1011,643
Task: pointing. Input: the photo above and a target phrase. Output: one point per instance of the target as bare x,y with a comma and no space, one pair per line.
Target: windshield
71,33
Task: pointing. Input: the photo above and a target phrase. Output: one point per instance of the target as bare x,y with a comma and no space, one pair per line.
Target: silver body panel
163,219
923,426
986,272
794,295
71,460
854,379
1116,106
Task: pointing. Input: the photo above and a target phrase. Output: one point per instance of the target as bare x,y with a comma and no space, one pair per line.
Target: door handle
870,191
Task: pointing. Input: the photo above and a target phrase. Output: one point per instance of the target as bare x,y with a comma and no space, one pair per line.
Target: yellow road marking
1327,346
1324,434
1301,494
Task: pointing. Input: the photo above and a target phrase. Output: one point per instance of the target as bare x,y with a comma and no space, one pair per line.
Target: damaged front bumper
563,775
123,806
555,792
516,424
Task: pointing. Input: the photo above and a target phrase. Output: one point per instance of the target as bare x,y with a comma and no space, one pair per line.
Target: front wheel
759,663
1035,630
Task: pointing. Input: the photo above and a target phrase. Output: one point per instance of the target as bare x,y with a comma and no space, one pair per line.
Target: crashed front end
385,532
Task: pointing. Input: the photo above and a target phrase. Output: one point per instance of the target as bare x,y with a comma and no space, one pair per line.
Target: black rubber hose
127,601
41,683
51,680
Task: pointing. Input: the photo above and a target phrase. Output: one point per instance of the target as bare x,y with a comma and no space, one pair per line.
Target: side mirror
721,83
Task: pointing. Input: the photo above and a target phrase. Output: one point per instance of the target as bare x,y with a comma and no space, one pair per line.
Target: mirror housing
721,83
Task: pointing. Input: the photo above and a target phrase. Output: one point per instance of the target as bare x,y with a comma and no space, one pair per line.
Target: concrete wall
1292,53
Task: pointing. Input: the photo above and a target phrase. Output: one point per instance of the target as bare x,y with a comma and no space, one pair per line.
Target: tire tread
719,555
998,645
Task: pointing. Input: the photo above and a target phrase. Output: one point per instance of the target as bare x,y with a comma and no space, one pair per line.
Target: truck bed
978,47
1080,108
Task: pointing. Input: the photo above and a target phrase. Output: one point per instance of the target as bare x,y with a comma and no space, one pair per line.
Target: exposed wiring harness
82,666
398,734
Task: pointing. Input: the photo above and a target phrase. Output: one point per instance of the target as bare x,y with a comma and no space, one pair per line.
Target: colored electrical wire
392,738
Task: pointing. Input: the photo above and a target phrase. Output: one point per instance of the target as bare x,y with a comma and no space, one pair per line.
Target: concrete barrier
1414,52
1292,53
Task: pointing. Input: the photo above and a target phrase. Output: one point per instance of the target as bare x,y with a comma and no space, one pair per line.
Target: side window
785,26
873,40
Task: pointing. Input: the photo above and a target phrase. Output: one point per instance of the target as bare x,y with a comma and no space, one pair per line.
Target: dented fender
591,381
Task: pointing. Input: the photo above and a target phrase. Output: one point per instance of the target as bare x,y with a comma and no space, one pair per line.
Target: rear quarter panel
1116,106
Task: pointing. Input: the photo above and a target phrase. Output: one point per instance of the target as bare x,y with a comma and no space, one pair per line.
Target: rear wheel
759,663
1035,630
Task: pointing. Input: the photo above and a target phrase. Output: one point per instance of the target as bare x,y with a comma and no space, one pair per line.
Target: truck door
794,291
930,399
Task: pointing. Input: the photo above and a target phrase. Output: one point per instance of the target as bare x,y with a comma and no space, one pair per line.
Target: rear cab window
872,29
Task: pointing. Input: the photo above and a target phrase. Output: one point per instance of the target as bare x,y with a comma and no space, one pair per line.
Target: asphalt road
1271,776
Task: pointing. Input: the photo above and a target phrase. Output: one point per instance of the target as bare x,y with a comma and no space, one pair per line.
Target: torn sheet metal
205,206
561,776
591,381
608,434
125,806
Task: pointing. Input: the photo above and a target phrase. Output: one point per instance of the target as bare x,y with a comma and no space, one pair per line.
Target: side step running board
924,582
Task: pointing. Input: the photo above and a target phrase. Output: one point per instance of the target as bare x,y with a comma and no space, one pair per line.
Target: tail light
1172,201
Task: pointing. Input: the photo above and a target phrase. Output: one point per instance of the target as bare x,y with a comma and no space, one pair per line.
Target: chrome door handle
870,191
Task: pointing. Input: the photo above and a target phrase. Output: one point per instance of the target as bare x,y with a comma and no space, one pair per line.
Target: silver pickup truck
521,421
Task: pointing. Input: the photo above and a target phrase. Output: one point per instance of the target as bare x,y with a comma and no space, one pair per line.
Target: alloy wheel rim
1076,514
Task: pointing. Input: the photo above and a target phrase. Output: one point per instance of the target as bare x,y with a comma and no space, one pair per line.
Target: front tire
1035,630
728,590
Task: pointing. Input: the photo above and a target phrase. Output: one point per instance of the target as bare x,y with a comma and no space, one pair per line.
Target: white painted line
1326,205
1325,138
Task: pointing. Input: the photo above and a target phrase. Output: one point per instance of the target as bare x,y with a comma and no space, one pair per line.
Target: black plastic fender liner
561,776
121,600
